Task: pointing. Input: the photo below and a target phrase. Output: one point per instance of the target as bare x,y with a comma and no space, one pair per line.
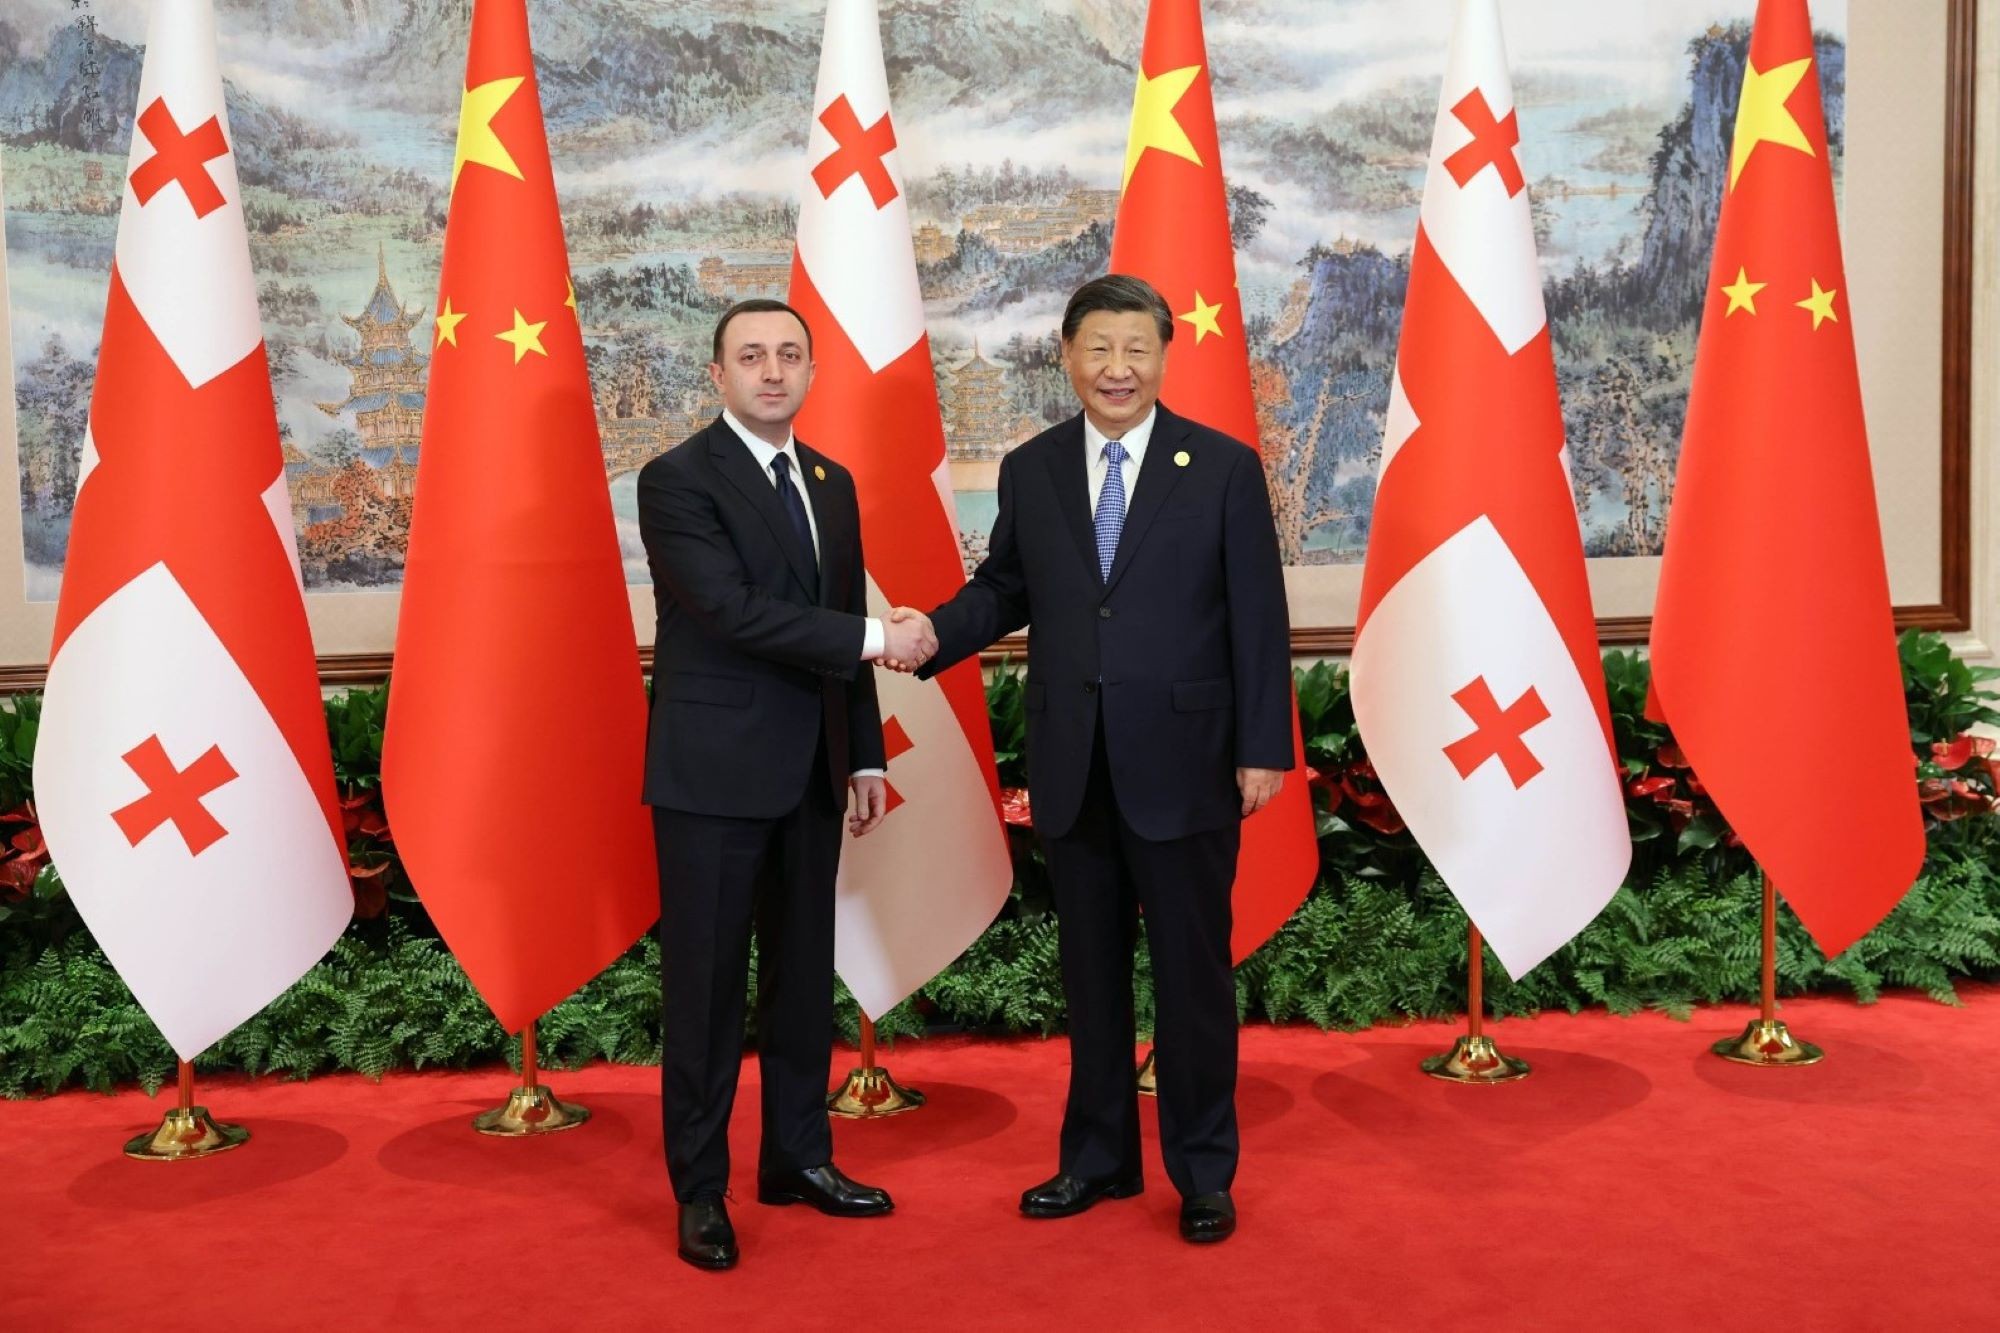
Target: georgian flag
1477,683
915,892
182,771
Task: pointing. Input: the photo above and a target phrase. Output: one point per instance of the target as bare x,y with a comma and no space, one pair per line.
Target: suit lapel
830,518
1069,471
733,460
1158,476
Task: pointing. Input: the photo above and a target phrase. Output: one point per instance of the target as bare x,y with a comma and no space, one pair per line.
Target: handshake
910,641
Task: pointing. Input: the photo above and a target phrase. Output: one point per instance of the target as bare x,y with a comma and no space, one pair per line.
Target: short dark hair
1117,292
757,305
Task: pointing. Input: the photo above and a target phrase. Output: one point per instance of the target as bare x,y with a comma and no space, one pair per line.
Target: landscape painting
678,131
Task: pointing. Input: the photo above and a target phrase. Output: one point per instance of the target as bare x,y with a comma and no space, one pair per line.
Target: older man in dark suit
1140,546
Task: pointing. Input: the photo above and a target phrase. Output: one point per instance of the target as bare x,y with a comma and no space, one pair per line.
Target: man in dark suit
1140,546
764,716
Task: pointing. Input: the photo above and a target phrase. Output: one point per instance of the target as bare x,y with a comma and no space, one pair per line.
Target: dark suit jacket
750,670
1185,649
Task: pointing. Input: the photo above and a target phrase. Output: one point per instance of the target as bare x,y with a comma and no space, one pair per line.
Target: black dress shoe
825,1188
1065,1195
1207,1218
707,1239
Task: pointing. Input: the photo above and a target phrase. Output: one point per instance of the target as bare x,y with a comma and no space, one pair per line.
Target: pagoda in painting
387,395
980,422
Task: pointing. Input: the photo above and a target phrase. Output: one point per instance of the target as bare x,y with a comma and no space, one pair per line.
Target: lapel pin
819,472
1182,459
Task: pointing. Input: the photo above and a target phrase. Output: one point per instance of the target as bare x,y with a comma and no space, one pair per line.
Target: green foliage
1945,696
1378,940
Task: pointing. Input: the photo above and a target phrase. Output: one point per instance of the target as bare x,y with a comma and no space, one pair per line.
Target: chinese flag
1173,231
512,763
1773,590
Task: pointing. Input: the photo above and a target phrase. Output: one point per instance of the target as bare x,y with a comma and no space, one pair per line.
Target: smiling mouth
1119,395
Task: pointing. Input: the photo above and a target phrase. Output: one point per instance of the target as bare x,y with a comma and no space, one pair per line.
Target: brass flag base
871,1093
1149,1083
1475,1060
528,1111
1768,1042
186,1132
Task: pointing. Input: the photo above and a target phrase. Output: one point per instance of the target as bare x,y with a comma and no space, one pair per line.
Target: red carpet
1634,1182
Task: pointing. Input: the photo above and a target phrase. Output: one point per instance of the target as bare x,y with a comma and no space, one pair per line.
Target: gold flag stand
188,1131
1767,1041
1474,1058
870,1092
532,1109
1149,1079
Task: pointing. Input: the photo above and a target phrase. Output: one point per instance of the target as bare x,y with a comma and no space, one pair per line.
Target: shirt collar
1134,439
762,450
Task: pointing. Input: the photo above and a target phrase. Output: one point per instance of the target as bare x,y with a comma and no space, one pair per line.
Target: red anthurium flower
1953,753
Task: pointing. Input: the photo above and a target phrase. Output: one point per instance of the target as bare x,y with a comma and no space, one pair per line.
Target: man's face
1115,362
764,370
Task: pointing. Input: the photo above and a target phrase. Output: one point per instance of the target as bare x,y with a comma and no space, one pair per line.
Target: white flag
1478,688
182,772
919,889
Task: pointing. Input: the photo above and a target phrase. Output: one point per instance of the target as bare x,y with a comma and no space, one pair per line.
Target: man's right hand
910,641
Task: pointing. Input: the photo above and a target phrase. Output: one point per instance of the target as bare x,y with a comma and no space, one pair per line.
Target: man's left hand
1259,787
871,803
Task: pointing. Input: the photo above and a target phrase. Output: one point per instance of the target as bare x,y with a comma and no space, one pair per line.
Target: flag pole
870,1091
1766,1041
187,1131
532,1108
1473,1058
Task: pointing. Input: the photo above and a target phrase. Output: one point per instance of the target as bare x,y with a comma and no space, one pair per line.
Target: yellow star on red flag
477,140
1761,114
524,337
1153,122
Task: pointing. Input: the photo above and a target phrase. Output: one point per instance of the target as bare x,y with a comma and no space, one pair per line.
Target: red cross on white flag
918,890
1477,683
182,770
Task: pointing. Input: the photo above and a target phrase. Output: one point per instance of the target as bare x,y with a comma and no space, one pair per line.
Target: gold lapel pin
819,472
1183,458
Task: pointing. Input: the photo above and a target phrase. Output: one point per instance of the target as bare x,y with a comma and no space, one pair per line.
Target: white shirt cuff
869,773
874,639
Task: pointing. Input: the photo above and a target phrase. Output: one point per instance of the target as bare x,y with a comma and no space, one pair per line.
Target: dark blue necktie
795,506
1110,517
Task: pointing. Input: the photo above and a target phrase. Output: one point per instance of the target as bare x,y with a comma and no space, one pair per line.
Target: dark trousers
1102,872
718,878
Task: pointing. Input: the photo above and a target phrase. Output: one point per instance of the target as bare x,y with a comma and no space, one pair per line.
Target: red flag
522,829
1773,583
1173,231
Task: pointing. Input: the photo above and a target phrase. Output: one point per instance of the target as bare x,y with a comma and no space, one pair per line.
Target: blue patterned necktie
795,507
1110,518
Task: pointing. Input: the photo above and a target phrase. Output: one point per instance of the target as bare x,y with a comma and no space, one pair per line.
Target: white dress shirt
874,638
1096,465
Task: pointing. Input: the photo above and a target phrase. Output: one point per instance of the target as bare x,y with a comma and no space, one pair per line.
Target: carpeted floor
1634,1182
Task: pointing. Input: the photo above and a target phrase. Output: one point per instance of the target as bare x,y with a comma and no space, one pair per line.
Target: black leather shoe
1207,1218
825,1188
707,1239
1065,1195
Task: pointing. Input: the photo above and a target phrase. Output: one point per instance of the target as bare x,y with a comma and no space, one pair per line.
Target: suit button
1090,687
1104,613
